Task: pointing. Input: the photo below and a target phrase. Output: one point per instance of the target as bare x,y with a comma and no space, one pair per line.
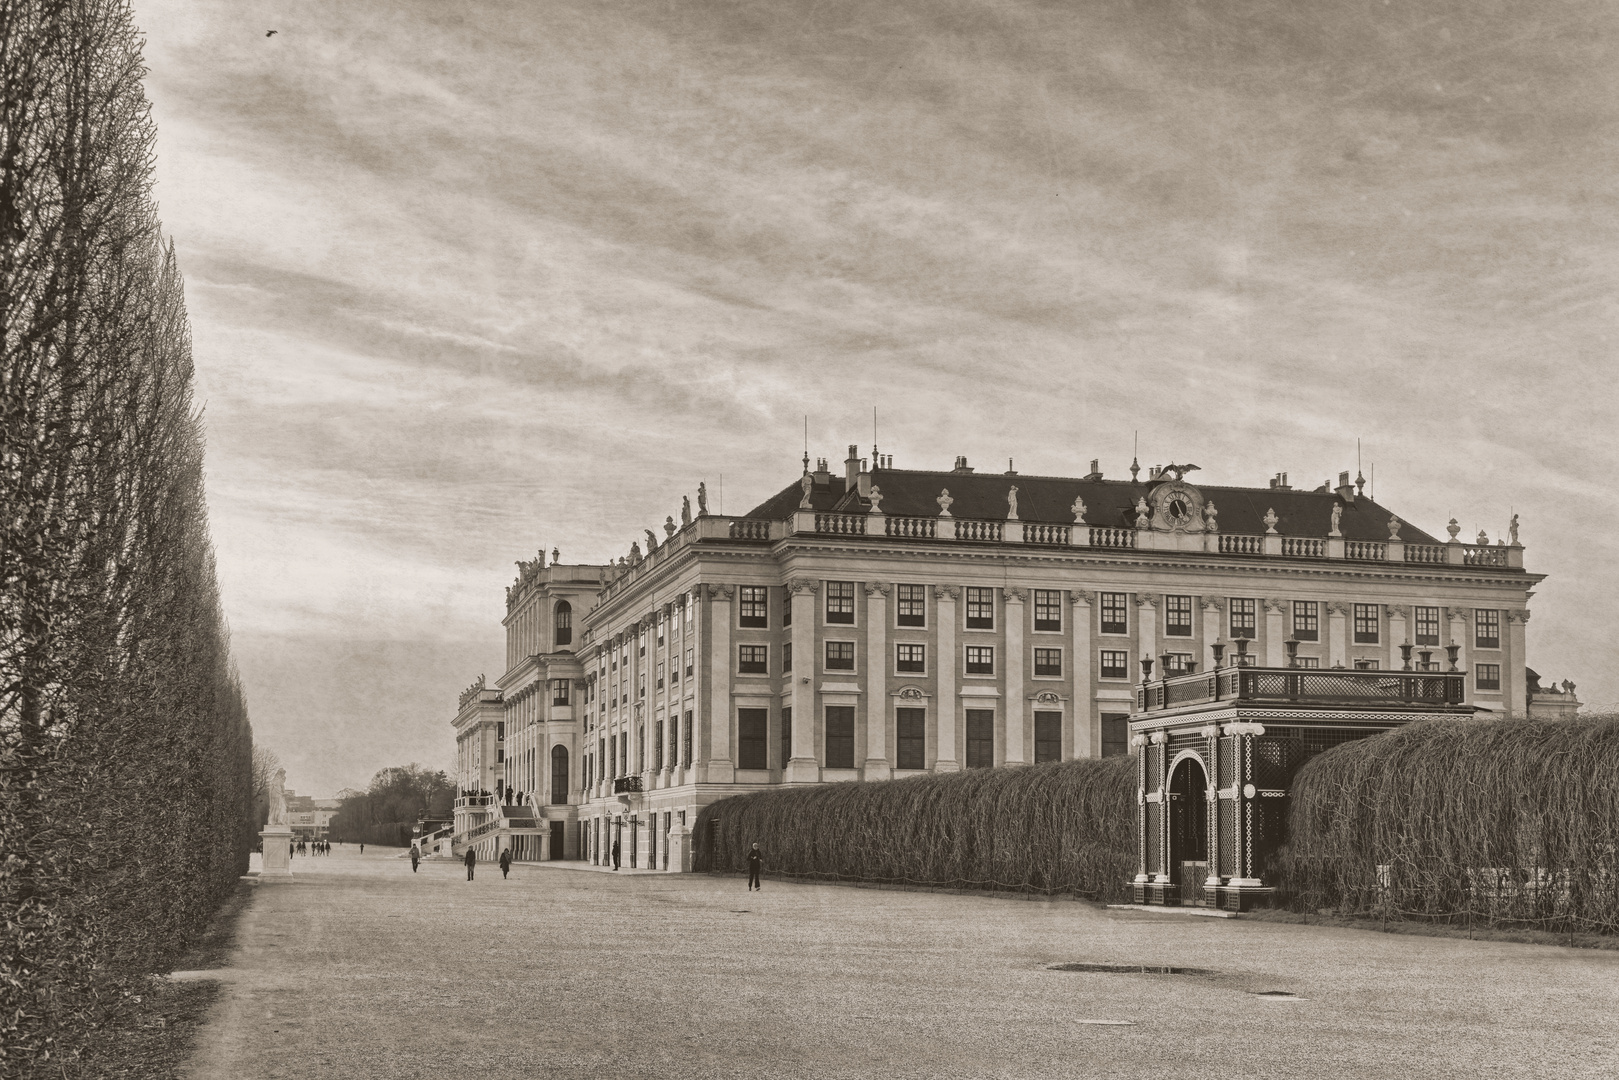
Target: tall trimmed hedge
1066,827
1506,822
125,749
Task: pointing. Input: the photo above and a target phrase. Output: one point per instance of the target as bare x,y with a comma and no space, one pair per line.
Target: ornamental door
1189,830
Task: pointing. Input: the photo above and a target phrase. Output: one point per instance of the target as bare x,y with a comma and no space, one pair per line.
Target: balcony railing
916,527
841,524
1304,546
1369,550
1305,686
1241,544
1112,538
1484,556
1046,534
627,784
1425,553
980,530
750,529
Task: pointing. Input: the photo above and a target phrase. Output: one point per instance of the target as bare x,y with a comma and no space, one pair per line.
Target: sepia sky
469,279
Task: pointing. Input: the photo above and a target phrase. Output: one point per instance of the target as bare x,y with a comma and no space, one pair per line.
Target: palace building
887,622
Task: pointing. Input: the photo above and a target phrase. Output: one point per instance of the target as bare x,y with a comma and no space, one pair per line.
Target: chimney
961,464
864,479
1346,490
1152,473
822,475
1010,470
1096,469
1279,482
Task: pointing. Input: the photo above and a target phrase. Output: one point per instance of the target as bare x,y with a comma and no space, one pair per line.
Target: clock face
1180,510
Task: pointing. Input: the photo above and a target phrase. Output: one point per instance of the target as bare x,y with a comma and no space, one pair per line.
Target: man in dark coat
615,853
471,860
756,862
415,857
505,862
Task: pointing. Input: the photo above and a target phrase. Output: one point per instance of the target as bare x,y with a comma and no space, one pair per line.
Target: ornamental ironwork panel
1228,838
627,784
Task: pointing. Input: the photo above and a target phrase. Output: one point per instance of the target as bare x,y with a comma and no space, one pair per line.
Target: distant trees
125,749
387,811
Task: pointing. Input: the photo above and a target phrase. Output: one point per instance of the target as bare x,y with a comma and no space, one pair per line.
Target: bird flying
270,33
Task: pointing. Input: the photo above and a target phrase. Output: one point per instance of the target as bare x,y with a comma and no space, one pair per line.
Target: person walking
615,853
471,860
415,857
362,847
755,863
506,862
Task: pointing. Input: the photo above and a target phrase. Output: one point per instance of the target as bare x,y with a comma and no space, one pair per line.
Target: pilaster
1514,682
1087,738
877,766
1213,616
803,767
1146,629
1275,634
1016,708
1337,634
721,767
1399,616
944,692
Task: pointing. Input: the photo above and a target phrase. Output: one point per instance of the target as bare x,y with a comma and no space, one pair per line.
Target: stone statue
1337,515
651,541
1078,510
876,498
1180,471
702,500
1143,514
1394,528
669,525
1011,503
807,484
685,510
556,556
1209,515
635,552
277,796
944,500
1512,530
1270,520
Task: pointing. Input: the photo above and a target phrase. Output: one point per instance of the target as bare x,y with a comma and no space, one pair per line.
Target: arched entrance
1189,829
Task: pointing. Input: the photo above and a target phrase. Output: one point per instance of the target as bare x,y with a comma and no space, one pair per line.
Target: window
1311,662
1177,616
913,606
753,660
1048,661
1115,664
564,623
786,606
559,691
1366,624
1048,609
685,739
1486,628
787,657
1178,662
1306,620
674,674
751,752
786,733
753,610
660,674
1047,737
559,775
1242,617
980,738
1365,665
980,609
1427,630
1489,677
1115,618
688,663
674,739
840,736
657,746
980,660
910,658
500,730
1115,734
840,602
910,729
500,754
840,656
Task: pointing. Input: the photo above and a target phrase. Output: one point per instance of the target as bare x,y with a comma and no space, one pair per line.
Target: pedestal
277,853
680,852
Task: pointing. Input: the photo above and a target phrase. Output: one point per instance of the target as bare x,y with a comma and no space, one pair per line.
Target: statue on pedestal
651,541
1337,514
1512,530
702,500
685,510
806,483
669,525
277,796
1143,514
1209,516
1011,503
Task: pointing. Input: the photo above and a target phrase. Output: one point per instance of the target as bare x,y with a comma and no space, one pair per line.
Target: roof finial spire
1135,454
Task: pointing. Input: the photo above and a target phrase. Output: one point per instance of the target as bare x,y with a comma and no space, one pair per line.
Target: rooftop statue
651,541
876,498
702,500
807,483
944,500
685,510
1078,510
669,525
1394,528
1270,520
1337,514
1453,529
556,556
1143,514
1011,504
1512,530
1209,515
635,552
1180,471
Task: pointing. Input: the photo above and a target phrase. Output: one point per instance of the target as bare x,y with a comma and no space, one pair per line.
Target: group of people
501,794
310,847
471,859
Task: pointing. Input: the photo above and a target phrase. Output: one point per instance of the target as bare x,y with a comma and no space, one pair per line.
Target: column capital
1147,600
947,592
799,585
1276,606
1081,597
1458,614
1397,611
1518,616
721,592
1213,603
1015,595
878,588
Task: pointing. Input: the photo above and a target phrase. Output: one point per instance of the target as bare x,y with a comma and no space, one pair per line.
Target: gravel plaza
359,968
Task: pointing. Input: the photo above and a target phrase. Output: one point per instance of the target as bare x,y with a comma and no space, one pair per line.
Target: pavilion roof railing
1304,686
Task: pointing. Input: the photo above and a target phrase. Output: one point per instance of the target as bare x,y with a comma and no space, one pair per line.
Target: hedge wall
1505,822
1066,827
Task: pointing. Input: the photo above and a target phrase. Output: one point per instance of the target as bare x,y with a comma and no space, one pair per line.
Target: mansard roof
1111,503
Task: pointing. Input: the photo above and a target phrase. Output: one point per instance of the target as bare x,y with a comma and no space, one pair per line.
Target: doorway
1189,830
558,836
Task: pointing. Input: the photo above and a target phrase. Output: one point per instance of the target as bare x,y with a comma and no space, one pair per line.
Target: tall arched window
559,775
564,623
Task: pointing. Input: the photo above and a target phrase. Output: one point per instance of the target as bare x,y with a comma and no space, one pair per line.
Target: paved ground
362,969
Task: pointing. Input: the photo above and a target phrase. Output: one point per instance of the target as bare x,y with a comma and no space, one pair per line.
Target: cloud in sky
468,279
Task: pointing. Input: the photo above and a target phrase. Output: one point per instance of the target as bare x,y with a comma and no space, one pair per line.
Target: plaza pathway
362,969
